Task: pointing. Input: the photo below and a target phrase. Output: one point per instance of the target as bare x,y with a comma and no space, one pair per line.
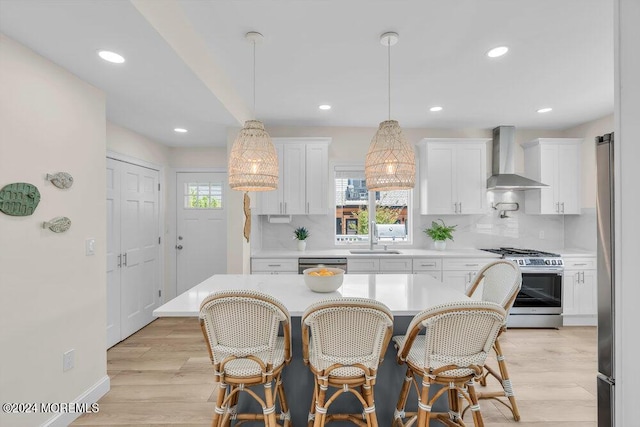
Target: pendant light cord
389,73
254,79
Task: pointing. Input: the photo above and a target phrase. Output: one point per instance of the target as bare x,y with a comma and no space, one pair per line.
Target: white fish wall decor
60,179
58,224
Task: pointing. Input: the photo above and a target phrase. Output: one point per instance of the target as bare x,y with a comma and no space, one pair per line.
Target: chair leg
370,410
219,410
284,406
314,397
402,399
475,405
424,406
506,382
320,409
454,402
270,410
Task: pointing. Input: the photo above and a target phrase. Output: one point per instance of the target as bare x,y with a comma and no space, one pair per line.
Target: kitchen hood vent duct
504,178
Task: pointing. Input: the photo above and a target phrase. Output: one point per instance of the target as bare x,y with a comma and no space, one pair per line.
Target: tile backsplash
543,232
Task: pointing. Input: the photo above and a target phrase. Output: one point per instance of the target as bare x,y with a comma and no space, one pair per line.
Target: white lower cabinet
579,294
396,265
274,266
459,272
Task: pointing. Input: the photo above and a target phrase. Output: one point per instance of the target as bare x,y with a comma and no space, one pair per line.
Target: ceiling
188,64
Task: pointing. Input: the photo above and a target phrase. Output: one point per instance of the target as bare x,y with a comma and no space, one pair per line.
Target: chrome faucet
372,235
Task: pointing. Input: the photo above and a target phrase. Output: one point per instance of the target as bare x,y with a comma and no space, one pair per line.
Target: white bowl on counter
323,283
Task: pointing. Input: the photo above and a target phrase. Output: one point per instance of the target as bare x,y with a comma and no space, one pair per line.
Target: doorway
201,227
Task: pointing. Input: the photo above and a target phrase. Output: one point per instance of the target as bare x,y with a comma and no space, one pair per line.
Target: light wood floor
161,376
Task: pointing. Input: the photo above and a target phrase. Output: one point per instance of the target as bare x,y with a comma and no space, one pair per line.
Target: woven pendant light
253,161
390,162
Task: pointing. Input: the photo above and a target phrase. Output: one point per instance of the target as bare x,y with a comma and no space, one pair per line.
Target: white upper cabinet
303,182
555,162
453,176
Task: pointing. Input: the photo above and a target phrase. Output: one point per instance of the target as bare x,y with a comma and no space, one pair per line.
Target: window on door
203,195
355,204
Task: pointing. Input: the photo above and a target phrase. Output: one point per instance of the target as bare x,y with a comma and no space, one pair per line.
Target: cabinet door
363,265
470,179
396,265
570,284
568,184
441,194
294,187
549,203
587,297
274,266
317,180
271,202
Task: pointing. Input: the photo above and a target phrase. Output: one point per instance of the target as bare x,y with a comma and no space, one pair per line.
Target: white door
133,263
201,245
114,256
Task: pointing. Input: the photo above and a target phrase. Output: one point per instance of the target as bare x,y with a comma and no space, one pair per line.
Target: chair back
498,281
346,331
460,333
242,323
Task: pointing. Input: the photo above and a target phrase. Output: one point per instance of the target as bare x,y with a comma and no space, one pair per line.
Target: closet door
133,264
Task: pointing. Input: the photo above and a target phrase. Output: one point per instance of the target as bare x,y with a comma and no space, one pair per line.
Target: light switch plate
90,247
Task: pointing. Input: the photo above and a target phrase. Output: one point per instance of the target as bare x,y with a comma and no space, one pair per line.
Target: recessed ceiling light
325,107
545,110
434,109
180,130
111,56
497,51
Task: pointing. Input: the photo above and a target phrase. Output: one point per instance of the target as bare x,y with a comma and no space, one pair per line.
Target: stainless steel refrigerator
606,279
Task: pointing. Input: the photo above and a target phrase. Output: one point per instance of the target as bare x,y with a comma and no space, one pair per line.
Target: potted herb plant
440,233
301,234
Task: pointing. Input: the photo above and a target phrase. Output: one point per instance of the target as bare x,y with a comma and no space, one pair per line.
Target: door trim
171,232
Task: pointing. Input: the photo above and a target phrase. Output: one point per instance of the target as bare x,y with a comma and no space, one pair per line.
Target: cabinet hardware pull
120,260
562,207
460,210
557,207
124,262
580,263
455,208
583,277
275,265
471,265
433,264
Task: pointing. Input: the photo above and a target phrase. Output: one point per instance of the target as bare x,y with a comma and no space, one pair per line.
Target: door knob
179,247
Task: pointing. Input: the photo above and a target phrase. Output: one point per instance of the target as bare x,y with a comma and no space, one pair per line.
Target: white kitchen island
405,294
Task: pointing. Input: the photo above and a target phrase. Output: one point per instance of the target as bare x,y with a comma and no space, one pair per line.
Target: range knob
553,262
546,261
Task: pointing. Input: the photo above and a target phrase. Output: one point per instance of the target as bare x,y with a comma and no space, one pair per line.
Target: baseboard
580,320
91,395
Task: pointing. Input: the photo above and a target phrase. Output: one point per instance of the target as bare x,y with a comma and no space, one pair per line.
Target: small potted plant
301,234
440,233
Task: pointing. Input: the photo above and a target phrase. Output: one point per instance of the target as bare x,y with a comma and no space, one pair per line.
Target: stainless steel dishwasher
304,263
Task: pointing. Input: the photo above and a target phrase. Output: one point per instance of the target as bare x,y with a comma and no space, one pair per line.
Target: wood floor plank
162,376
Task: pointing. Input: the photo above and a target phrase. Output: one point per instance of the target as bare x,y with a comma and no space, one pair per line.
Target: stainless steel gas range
539,302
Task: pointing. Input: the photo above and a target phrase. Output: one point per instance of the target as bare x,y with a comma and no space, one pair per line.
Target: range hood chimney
504,178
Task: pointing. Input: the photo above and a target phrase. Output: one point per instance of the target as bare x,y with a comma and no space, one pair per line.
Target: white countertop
344,253
404,294
574,252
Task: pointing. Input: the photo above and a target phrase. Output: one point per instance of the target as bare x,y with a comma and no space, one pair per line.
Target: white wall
53,296
627,195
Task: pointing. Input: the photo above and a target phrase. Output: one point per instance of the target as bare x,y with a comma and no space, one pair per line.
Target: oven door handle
541,270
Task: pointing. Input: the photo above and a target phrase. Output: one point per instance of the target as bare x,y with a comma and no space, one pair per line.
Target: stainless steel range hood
504,178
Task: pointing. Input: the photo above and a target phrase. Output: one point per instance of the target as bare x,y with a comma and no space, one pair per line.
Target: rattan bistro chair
451,353
241,332
499,282
343,342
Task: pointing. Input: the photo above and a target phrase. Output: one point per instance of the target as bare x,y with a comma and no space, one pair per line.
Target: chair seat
417,352
241,368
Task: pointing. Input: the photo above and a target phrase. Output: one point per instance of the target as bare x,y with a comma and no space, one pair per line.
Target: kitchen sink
373,252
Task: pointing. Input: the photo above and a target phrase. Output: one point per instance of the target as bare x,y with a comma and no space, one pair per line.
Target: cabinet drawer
396,265
363,265
285,265
588,263
452,264
427,264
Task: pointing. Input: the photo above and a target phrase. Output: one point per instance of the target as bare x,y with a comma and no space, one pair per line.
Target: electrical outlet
68,360
541,234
